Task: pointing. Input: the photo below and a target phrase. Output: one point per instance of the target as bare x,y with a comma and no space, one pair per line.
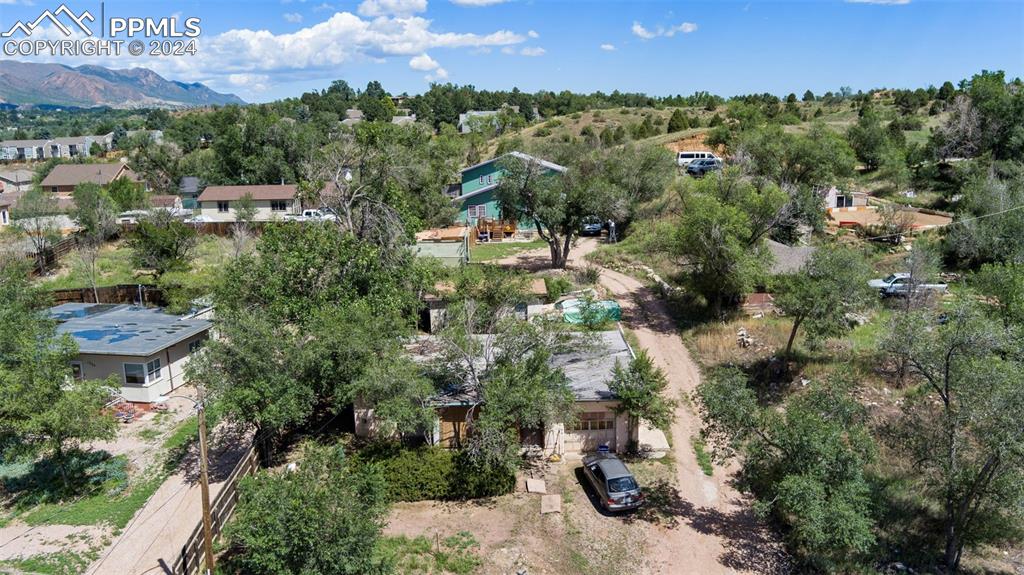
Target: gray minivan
683,159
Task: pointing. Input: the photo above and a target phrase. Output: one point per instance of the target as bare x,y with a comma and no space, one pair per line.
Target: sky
264,50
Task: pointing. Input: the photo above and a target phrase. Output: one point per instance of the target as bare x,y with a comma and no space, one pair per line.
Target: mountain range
23,83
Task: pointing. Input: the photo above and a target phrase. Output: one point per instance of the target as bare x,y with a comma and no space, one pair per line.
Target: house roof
230,193
524,157
17,176
113,329
74,174
588,367
22,143
164,201
788,259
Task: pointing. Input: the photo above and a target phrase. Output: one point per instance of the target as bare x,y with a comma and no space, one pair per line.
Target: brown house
218,203
64,177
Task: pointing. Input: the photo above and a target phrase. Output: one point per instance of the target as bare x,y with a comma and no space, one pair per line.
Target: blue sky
270,49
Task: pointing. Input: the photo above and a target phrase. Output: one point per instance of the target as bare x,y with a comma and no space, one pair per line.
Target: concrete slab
550,504
536,486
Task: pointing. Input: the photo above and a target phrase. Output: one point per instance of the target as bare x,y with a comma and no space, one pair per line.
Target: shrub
432,472
553,123
541,132
587,275
556,286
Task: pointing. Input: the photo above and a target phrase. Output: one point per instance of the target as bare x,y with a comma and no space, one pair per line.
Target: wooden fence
136,294
190,560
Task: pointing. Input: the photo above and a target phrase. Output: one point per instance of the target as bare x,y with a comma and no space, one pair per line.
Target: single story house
450,245
589,368
16,180
834,198
64,177
144,348
475,196
218,203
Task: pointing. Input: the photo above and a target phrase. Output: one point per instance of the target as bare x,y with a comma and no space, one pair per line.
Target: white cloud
608,47
324,7
313,52
480,50
293,17
533,34
438,74
477,2
641,32
423,62
508,50
886,2
374,8
537,51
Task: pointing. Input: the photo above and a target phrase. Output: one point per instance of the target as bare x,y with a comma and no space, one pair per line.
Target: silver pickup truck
898,284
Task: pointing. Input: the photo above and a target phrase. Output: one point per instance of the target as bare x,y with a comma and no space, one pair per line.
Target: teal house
475,196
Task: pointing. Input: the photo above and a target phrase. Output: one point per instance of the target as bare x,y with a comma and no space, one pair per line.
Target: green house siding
486,199
480,177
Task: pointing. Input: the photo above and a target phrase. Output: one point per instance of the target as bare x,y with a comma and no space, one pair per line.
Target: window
153,370
478,211
594,421
222,207
278,205
134,373
3,217
76,370
194,346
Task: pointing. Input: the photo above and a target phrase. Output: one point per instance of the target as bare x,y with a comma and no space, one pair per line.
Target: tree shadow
44,481
749,544
226,448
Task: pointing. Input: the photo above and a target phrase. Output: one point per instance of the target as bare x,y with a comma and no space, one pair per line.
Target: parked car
698,168
324,215
898,284
615,485
684,159
591,227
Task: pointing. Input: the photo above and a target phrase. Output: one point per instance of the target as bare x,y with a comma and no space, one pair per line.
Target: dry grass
716,343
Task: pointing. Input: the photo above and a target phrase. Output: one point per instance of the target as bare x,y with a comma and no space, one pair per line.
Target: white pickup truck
315,216
898,284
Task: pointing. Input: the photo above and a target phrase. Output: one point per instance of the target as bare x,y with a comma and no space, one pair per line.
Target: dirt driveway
697,524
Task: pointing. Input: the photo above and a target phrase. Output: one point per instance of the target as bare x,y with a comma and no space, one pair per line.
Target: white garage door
591,430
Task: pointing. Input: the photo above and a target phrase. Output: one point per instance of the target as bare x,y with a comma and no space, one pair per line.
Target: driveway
710,526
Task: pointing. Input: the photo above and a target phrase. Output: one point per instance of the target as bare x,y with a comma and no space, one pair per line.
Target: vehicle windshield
890,278
620,484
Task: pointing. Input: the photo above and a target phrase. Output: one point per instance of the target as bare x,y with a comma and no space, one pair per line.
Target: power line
954,222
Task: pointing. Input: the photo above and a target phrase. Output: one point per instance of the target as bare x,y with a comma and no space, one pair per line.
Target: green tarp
574,311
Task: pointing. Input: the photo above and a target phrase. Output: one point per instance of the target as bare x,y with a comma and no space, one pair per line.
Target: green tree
639,389
40,401
961,424
126,194
806,464
869,139
325,517
946,92
34,215
678,121
558,202
163,243
95,211
819,297
808,96
1005,283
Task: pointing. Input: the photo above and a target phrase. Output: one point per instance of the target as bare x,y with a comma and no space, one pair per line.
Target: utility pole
205,485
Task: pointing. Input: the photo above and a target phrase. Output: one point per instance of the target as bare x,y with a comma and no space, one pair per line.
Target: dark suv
698,168
615,485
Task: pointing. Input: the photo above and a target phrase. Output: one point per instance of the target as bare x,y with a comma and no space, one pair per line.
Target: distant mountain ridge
23,83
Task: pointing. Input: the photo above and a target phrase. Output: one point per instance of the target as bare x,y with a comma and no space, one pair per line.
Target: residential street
716,531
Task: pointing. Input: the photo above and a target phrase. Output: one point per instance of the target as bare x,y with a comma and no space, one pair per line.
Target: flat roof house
475,195
64,177
144,348
218,203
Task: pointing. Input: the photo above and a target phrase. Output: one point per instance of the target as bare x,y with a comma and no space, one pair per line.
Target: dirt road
715,529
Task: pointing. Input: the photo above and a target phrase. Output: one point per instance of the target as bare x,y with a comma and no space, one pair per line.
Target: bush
588,275
432,472
541,133
556,286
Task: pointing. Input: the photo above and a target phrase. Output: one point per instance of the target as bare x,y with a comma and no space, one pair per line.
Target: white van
684,158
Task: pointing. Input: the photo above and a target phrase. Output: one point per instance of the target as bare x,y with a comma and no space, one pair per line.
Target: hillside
90,86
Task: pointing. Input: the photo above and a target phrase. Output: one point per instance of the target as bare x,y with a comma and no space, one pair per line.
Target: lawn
497,250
